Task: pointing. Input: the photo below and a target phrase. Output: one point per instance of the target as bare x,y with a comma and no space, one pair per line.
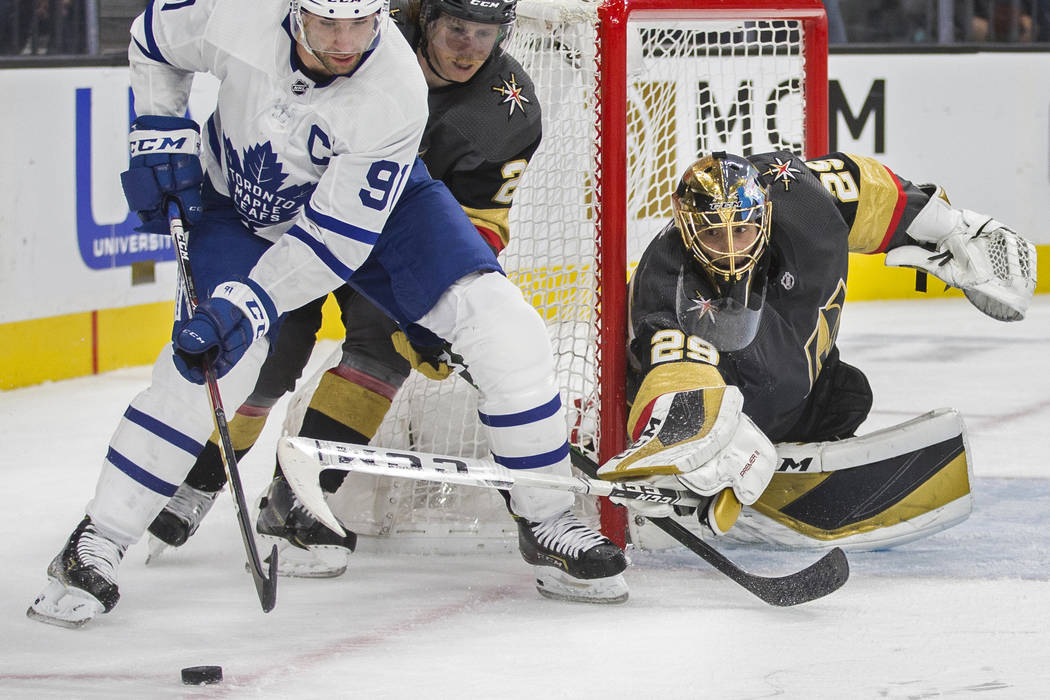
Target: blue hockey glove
222,329
165,162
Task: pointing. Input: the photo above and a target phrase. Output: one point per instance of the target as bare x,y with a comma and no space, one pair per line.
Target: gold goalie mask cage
723,213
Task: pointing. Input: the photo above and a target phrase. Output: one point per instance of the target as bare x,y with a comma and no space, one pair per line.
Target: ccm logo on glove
154,142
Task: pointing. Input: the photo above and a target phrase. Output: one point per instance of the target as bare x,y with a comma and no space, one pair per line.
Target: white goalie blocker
871,492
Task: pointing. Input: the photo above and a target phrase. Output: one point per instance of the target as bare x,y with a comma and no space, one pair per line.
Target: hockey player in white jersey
309,179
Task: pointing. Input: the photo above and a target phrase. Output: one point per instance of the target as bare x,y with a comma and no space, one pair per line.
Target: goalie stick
303,460
265,585
820,578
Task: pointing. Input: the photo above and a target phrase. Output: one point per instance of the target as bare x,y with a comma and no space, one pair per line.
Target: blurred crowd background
100,27
938,21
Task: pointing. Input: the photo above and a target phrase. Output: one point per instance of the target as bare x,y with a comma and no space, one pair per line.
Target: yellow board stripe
60,347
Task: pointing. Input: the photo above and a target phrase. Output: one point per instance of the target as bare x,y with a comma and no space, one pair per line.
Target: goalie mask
723,215
457,37
337,28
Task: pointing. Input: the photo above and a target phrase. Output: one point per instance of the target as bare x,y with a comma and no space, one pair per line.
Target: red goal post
614,21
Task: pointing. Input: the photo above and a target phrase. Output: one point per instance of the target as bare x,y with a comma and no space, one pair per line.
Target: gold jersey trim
877,207
495,220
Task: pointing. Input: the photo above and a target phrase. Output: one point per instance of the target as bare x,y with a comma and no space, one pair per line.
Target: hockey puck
201,675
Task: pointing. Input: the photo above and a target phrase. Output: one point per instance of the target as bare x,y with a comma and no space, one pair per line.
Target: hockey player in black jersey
734,313
483,128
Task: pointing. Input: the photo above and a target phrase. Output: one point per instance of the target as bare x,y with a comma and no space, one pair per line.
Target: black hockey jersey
822,210
480,134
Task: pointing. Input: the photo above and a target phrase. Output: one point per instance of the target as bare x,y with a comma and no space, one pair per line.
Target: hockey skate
82,579
572,561
306,548
179,520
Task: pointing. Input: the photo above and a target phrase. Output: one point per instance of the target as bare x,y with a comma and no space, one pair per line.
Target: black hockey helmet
497,12
484,11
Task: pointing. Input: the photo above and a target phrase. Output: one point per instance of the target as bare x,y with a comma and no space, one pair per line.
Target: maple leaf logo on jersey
511,92
782,172
255,183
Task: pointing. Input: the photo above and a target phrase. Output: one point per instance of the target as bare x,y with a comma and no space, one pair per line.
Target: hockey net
631,92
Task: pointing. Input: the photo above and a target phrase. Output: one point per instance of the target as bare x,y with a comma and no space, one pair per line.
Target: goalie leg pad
871,492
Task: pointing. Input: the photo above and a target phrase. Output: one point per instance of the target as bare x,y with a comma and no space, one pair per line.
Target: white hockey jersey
316,167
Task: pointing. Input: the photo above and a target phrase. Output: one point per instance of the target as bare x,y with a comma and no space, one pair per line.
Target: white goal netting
695,81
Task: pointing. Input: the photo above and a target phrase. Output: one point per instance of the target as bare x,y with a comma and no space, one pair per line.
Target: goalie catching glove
993,265
699,439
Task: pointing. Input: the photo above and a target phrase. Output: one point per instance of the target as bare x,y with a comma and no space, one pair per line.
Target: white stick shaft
303,459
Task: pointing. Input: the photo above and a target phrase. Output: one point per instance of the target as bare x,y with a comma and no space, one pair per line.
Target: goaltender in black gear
735,309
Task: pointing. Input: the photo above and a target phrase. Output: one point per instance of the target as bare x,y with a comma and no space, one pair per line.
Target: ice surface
961,614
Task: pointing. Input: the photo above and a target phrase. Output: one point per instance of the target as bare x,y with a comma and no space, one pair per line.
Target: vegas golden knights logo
823,338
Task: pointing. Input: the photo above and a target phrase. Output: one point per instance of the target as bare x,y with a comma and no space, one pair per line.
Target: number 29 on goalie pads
871,492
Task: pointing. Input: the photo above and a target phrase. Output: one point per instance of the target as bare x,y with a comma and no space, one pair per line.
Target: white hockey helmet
314,39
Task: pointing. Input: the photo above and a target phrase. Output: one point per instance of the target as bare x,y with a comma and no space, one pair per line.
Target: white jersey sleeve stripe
322,252
339,227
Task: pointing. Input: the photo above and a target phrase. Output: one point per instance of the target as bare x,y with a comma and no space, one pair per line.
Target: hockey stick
820,578
265,585
303,460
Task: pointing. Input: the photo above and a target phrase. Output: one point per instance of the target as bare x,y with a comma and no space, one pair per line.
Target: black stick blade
266,586
820,578
817,580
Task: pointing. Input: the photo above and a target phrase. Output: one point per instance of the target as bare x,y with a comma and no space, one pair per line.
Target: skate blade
157,547
319,561
64,607
558,585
